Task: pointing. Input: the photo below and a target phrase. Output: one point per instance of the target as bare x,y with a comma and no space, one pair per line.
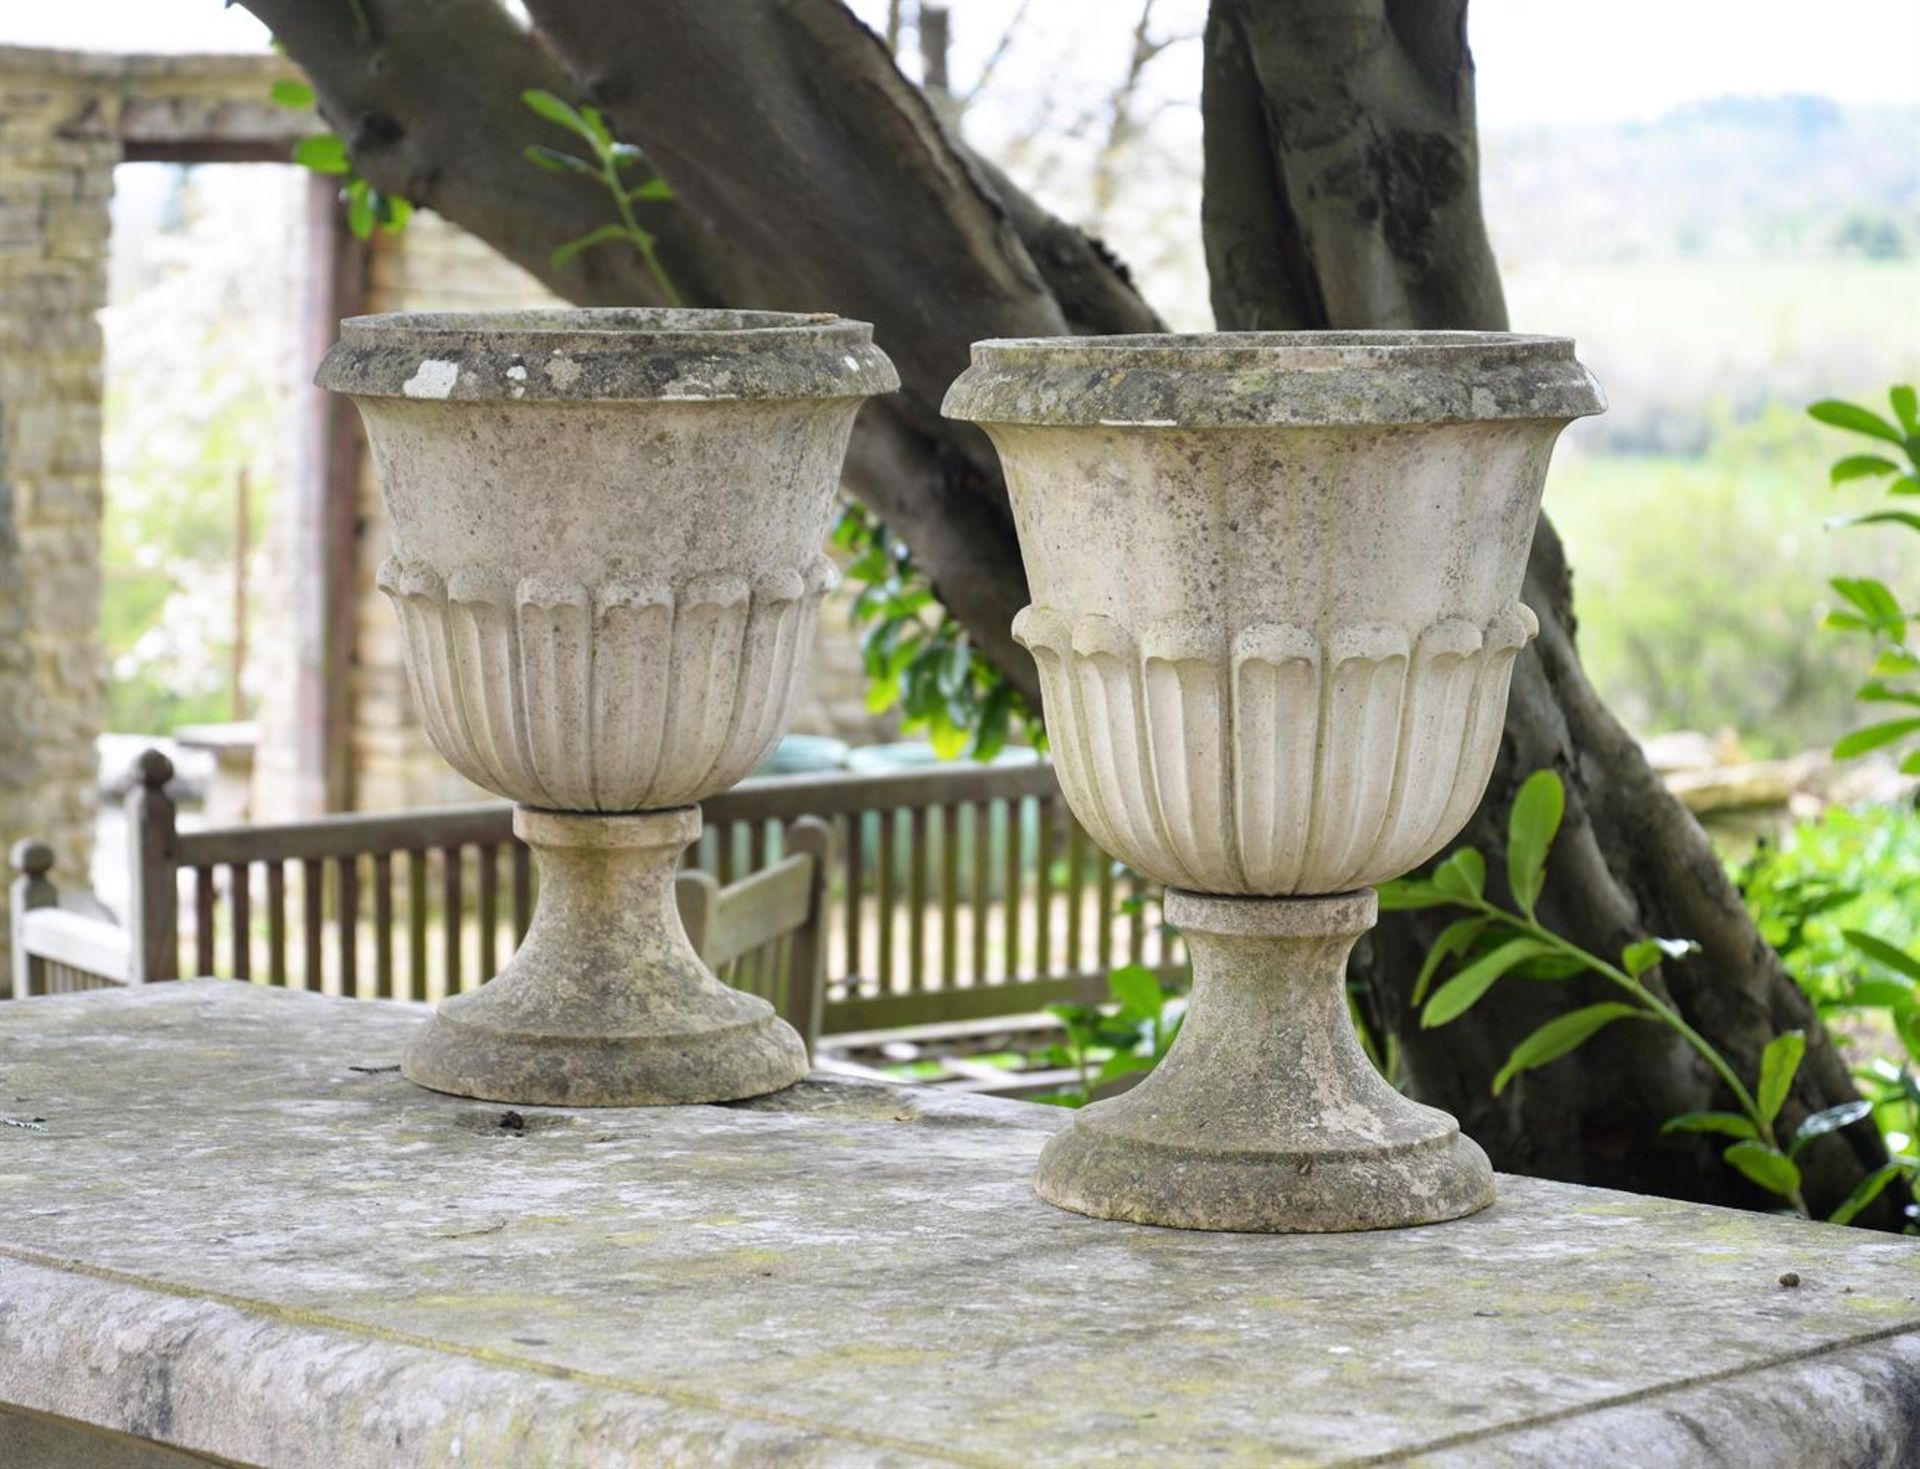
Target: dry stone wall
66,119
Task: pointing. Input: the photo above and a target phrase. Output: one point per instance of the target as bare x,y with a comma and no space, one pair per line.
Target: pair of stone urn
1275,582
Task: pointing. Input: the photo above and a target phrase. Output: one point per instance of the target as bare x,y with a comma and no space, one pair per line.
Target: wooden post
324,507
153,850
32,888
806,980
242,553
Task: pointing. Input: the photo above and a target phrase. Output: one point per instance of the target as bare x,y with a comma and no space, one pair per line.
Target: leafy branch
1495,942
368,208
1102,1044
608,167
1872,610
917,656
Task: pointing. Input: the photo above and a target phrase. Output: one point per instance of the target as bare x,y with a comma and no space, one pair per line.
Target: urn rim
606,354
1273,379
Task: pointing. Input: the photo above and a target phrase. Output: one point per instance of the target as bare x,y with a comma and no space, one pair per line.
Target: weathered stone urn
1275,584
607,560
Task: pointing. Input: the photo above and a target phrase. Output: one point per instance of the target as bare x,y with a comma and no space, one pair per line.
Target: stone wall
66,119
57,150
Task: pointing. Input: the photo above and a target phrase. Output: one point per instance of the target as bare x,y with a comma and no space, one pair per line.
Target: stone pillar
58,148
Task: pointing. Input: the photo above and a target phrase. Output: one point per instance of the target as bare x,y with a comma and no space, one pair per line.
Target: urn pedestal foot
606,1004
1266,1116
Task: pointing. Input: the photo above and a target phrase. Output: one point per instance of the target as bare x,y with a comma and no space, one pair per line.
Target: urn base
1266,1116
606,1004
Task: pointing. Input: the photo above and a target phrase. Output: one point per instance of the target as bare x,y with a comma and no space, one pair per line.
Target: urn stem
1266,1116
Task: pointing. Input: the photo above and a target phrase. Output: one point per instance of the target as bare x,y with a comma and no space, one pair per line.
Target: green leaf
1884,517
1550,968
1531,827
1878,994
955,665
1895,663
1877,692
1874,736
1455,938
1907,484
1408,894
1731,1124
606,234
360,213
553,160
1870,596
1137,988
1459,994
598,131
1122,1063
1861,466
1638,958
1772,1170
1866,1191
996,713
949,740
1559,1036
323,153
1778,1064
1911,765
288,93
1462,877
1855,419
1882,952
653,188
1830,1120
554,110
1906,407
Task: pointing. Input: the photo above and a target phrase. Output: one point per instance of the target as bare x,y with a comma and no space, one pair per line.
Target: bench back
953,893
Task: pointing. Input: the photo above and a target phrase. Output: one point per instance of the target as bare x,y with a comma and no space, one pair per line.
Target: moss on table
242,1233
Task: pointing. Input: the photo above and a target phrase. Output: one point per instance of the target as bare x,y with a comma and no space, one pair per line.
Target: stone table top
238,1231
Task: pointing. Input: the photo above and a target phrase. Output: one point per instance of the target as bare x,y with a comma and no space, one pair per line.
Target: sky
1540,61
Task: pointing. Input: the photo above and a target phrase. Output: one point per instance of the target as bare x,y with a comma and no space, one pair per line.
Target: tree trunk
1342,190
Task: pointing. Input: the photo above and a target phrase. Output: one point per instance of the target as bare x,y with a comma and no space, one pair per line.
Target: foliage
1701,583
1132,1033
368,208
1873,612
607,167
1494,942
197,331
918,658
1832,899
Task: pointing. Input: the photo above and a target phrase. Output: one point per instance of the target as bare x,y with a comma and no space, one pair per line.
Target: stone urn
1276,583
607,532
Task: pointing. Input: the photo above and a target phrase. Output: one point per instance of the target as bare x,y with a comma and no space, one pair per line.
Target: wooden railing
952,893
962,891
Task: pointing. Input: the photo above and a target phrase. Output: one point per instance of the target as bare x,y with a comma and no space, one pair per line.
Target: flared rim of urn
606,354
1177,380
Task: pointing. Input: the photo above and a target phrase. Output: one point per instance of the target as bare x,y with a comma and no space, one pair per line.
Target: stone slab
243,1235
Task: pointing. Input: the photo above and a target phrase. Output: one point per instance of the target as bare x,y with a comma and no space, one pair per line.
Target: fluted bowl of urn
1276,605
607,560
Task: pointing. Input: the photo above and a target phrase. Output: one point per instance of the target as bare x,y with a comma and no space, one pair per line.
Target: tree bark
1342,191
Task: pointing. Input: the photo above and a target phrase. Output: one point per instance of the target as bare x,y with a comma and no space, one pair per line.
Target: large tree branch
790,129
811,175
427,98
1342,191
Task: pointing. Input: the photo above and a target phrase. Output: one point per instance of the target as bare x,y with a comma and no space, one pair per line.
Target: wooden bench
953,894
761,932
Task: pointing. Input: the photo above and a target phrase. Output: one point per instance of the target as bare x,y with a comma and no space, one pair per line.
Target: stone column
58,148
